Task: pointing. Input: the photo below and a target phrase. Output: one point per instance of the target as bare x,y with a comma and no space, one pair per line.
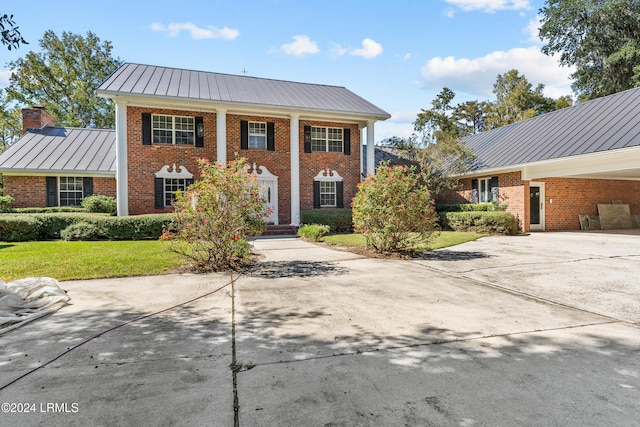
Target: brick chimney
36,118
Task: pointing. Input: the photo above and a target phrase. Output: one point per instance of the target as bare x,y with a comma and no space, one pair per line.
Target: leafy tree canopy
601,38
11,37
63,78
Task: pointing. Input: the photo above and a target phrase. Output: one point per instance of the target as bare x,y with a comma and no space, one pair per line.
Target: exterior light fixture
200,130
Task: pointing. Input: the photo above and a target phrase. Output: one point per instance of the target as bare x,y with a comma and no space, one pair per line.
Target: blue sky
397,54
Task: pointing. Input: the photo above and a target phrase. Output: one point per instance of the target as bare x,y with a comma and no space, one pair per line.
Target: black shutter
271,136
474,191
87,186
158,189
307,140
346,134
146,128
188,181
316,194
244,135
52,191
339,194
494,189
199,139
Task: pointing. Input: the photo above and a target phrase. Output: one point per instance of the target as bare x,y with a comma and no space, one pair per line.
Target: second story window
257,135
173,130
326,139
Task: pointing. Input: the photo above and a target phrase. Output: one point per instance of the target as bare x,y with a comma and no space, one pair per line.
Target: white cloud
532,30
197,33
301,45
4,77
370,49
489,6
405,57
476,76
449,12
339,50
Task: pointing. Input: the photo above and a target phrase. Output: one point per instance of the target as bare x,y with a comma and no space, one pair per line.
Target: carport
552,168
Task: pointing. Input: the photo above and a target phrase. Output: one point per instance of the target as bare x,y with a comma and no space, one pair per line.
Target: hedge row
25,227
470,207
338,220
480,222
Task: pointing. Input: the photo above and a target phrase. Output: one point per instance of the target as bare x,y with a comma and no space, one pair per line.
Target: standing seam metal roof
600,125
62,149
149,80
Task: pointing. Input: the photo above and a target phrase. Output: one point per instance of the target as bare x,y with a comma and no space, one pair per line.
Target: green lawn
443,240
85,260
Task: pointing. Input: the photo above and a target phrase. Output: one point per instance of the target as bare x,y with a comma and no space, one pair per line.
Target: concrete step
281,230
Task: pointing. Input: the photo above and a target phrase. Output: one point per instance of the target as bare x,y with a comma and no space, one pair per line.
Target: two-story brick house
303,140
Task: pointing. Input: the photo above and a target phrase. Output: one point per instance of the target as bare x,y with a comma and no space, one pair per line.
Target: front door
536,206
269,190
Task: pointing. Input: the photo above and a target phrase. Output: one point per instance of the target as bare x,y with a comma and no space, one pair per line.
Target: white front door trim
540,226
268,183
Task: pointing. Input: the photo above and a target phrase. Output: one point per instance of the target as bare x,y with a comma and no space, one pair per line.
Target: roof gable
600,125
154,81
62,150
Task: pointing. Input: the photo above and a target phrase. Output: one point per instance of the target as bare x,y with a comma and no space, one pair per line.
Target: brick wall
145,160
28,191
31,191
347,166
569,198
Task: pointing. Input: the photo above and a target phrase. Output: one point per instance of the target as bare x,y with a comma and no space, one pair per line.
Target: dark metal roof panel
603,124
137,79
62,149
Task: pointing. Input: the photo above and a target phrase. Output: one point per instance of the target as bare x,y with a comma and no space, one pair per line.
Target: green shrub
480,222
471,207
4,203
25,227
18,228
54,209
393,211
82,231
99,203
313,232
339,220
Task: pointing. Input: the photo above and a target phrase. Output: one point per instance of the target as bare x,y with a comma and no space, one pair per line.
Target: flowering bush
393,211
216,214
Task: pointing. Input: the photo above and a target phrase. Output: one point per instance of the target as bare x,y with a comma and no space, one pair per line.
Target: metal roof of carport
155,81
602,125
62,150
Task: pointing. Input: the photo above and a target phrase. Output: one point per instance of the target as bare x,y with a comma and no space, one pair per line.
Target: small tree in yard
215,216
393,211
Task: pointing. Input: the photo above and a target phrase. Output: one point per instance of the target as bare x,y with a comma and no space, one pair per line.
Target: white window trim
487,193
326,139
173,129
333,193
264,135
81,191
168,172
327,175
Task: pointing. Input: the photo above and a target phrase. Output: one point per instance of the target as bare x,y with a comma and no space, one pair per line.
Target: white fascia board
175,103
30,172
575,166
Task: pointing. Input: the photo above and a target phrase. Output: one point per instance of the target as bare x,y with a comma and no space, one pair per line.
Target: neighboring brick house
302,140
57,166
554,167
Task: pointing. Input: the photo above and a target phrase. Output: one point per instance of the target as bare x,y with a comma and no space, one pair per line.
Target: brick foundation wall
569,198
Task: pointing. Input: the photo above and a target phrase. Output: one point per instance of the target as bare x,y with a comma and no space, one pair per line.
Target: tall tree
11,37
471,116
601,38
516,100
437,123
10,122
63,78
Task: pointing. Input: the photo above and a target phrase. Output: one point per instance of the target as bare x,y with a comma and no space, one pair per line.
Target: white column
371,150
221,135
122,180
294,125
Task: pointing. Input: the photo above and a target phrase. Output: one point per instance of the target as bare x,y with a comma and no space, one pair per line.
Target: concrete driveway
532,330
